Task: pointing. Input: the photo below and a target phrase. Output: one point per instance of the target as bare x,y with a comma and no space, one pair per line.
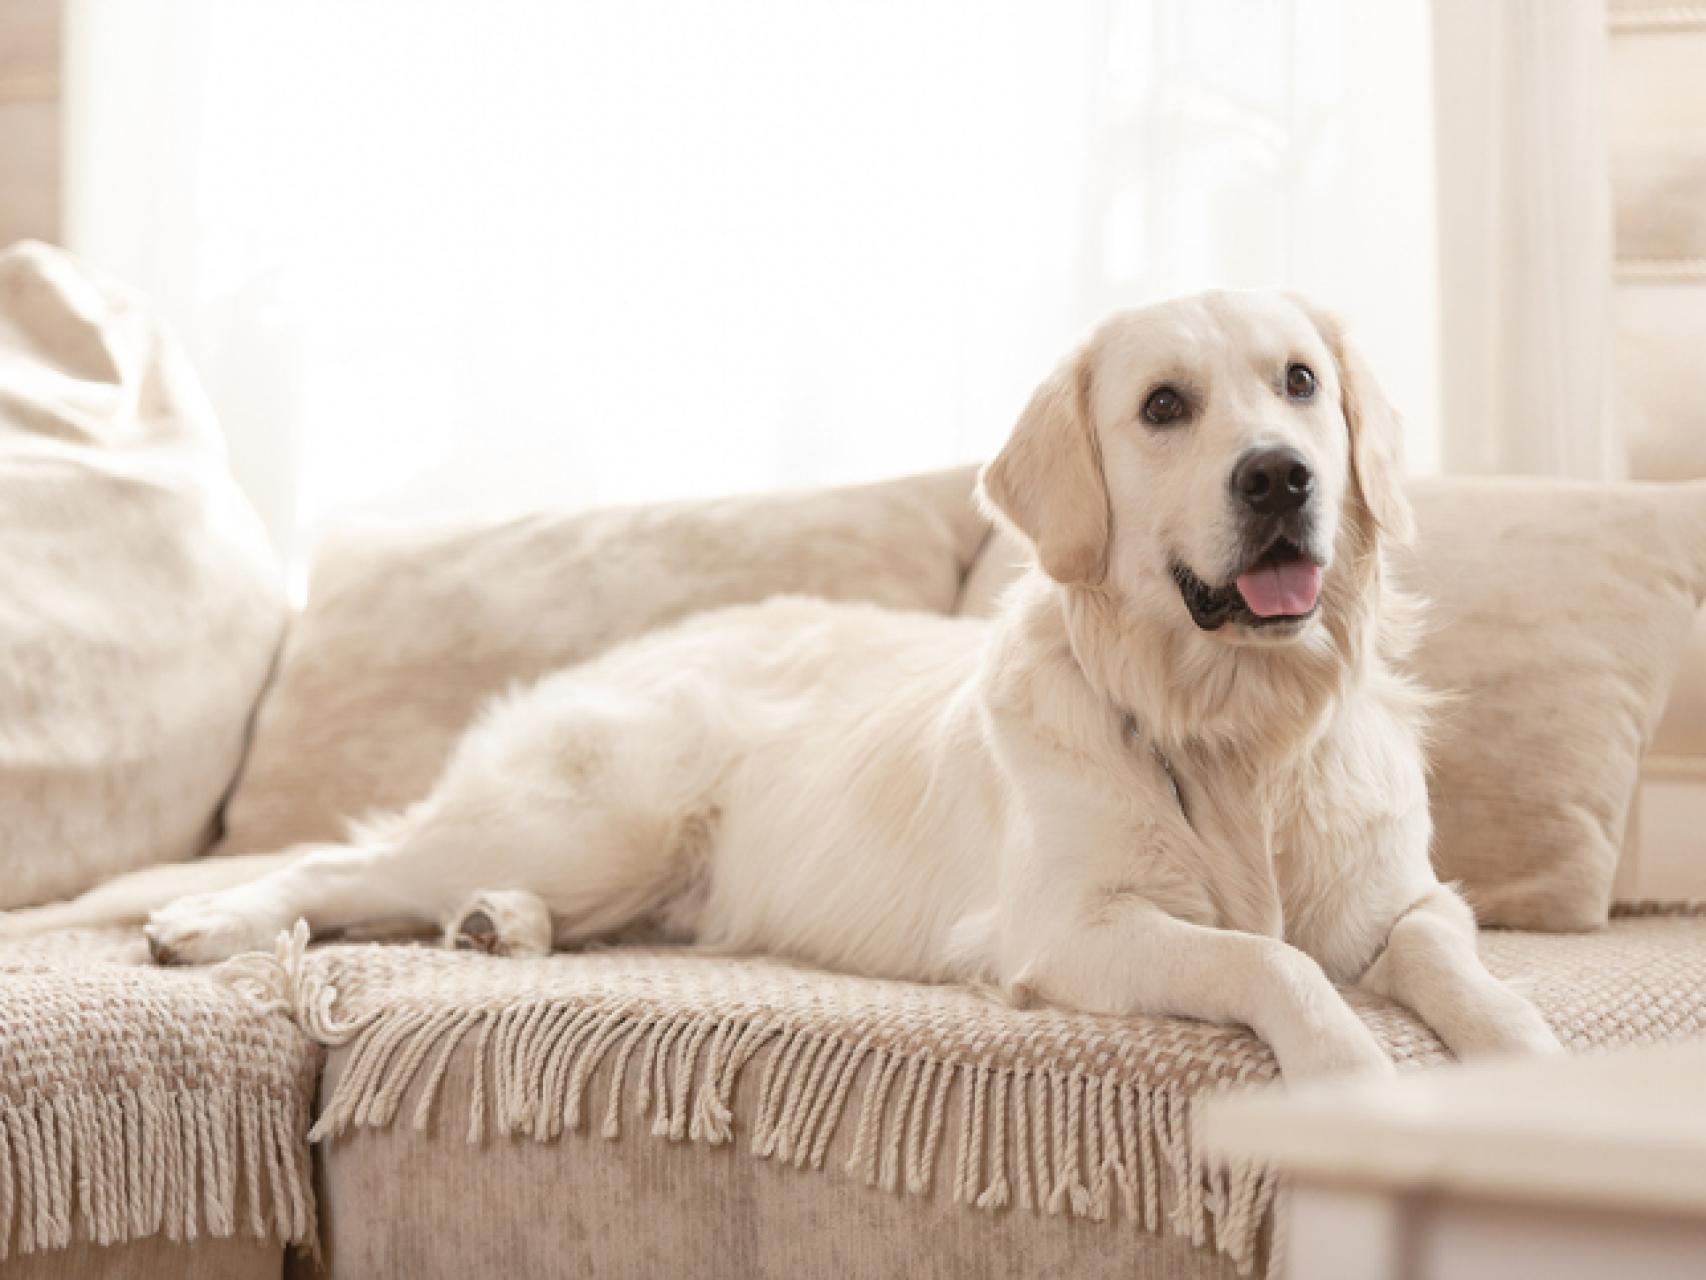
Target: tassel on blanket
1065,1142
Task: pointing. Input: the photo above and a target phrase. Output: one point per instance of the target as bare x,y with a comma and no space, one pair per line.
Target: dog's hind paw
501,922
210,927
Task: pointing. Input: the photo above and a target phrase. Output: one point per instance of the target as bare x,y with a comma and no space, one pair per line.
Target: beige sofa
640,1113
765,1121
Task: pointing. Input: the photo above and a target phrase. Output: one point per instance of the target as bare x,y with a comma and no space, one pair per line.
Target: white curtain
438,255
1526,238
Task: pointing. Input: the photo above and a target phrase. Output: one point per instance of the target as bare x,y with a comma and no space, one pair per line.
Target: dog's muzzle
1278,581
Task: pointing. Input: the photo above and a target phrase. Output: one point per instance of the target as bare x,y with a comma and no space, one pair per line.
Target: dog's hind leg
584,798
430,869
332,887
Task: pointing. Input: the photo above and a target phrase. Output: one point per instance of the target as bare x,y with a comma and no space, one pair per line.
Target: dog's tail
129,899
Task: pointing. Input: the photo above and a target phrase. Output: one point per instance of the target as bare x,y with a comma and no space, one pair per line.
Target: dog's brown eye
1164,407
1299,382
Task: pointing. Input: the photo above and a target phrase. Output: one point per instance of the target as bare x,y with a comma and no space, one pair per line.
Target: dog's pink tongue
1281,590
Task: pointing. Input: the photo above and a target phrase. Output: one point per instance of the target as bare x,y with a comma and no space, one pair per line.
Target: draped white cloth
1525,238
435,255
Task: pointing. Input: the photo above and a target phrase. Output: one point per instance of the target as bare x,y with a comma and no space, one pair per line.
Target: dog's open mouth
1283,584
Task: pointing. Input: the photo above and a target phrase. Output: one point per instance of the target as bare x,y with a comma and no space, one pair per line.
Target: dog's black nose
1273,482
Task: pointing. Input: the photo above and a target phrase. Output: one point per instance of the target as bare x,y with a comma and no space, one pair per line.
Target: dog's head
1214,456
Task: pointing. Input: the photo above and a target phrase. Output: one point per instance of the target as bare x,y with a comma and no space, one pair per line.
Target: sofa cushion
142,603
406,632
931,1090
138,1103
1558,614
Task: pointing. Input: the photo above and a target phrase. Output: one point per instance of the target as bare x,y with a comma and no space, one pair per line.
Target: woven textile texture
139,1102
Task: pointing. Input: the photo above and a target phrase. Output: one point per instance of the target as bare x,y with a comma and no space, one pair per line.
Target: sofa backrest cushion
408,630
1558,620
142,604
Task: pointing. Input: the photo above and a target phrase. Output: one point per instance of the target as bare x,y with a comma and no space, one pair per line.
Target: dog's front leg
1128,956
1430,965
1103,908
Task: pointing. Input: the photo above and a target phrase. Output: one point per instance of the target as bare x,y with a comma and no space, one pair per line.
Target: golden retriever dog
1180,773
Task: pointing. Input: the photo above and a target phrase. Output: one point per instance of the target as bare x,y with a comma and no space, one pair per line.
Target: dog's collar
1134,735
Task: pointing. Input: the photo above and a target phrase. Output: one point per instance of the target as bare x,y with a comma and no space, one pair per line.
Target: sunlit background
448,257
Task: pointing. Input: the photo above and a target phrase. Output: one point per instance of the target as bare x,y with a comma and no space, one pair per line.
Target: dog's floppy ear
1377,443
1047,480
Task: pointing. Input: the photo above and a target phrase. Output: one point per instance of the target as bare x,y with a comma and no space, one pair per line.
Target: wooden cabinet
31,116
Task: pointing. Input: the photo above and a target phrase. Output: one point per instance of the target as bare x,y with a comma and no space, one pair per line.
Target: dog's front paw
1345,1050
209,927
501,922
1503,1027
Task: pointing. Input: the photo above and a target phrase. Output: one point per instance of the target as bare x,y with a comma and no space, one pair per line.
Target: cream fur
938,799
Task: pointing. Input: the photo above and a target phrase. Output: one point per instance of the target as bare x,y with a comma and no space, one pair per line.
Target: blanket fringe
1061,1142
131,1163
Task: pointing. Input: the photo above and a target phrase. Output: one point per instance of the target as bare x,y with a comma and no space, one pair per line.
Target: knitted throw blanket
136,1101
1056,1112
